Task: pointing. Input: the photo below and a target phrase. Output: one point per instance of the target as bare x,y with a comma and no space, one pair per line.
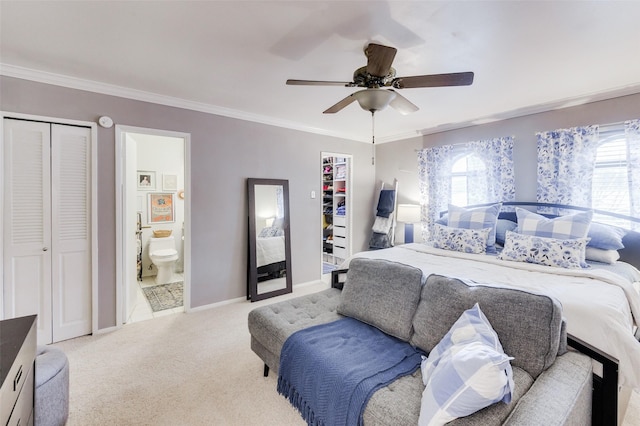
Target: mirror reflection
269,250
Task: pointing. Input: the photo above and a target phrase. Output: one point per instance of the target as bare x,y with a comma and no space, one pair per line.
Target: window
468,173
610,185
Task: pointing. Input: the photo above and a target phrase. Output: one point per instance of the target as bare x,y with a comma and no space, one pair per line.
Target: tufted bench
51,406
271,325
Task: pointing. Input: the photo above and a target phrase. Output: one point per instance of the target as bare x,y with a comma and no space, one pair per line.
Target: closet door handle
44,249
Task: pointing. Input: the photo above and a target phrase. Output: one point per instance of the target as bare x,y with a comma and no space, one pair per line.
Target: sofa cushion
383,294
399,403
529,325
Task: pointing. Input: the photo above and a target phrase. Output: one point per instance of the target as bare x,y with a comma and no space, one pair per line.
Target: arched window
610,185
468,178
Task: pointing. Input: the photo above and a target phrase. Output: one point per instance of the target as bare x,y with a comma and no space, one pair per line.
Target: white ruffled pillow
568,254
466,371
460,239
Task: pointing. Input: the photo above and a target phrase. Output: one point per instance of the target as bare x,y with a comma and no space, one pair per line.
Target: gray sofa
553,385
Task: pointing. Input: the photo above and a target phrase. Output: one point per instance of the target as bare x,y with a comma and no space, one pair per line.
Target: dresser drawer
18,374
339,252
339,242
339,231
23,410
339,220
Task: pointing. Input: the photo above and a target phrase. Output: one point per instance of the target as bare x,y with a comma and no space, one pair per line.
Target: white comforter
600,307
270,250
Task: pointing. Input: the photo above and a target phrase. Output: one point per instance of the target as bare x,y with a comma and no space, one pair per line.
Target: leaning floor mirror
269,260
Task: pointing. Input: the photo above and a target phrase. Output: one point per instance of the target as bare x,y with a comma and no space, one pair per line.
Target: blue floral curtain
632,132
497,183
434,174
279,201
566,159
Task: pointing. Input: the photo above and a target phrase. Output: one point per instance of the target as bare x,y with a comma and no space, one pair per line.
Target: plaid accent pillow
562,228
476,218
466,372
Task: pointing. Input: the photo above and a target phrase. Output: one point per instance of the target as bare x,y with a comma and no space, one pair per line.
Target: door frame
94,200
121,208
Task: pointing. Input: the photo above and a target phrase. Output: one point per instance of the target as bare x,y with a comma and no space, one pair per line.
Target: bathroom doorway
152,222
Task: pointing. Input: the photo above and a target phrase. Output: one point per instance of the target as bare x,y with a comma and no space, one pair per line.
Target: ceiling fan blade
379,59
401,104
343,103
317,83
434,80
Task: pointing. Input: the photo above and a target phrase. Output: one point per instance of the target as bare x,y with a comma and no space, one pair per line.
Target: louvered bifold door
71,239
27,223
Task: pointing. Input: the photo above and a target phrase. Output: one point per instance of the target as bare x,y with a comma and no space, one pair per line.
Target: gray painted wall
224,152
399,159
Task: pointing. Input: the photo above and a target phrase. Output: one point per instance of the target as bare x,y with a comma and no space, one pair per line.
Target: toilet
163,254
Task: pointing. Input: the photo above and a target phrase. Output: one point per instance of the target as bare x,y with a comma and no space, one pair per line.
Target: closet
47,226
336,174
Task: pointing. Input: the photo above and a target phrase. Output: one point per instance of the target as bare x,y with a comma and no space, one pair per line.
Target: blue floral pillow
270,231
460,239
545,251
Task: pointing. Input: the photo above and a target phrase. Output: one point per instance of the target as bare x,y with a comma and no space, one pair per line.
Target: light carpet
185,369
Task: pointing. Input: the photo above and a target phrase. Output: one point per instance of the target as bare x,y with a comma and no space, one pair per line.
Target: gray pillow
383,294
529,325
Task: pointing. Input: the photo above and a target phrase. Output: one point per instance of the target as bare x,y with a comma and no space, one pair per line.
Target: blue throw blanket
329,371
386,202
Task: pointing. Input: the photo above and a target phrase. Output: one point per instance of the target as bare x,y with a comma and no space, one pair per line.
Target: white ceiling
233,57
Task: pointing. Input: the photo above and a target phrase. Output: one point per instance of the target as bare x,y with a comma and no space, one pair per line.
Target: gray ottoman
51,406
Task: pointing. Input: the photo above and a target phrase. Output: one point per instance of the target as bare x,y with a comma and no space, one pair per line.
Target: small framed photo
146,180
169,182
161,208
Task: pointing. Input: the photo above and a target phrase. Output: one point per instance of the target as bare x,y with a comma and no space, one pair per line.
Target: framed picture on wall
169,182
146,180
161,208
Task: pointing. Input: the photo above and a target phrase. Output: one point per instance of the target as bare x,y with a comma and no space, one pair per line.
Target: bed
271,257
601,301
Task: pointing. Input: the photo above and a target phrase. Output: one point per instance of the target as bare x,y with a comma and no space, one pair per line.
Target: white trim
120,131
125,92
94,201
139,95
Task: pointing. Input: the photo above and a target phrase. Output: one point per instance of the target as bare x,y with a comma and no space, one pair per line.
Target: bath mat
164,296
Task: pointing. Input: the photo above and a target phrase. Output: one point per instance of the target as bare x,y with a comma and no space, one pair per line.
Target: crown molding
139,95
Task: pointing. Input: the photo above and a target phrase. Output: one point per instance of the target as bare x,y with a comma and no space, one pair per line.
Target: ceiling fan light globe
374,99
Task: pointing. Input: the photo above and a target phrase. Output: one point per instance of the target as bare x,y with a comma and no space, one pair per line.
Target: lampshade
408,213
374,99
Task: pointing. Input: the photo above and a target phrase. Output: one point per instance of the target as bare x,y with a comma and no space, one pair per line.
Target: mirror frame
252,269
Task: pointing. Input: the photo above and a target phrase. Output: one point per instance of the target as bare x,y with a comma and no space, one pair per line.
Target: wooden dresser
17,365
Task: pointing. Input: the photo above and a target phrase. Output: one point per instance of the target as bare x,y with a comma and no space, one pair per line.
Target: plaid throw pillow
562,228
476,218
466,372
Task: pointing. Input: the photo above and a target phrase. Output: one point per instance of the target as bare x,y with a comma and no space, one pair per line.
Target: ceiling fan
379,74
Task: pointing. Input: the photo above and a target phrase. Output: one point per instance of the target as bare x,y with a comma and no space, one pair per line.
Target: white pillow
600,255
460,239
466,371
568,254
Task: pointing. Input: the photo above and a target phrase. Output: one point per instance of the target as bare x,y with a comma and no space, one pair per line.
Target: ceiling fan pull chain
373,137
